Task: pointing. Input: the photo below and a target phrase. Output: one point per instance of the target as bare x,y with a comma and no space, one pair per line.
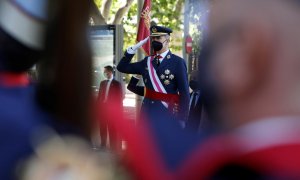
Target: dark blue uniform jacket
172,73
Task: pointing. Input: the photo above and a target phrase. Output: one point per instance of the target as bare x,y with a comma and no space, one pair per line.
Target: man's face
160,43
107,73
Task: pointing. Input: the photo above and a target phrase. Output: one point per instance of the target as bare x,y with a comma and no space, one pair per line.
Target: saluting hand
132,49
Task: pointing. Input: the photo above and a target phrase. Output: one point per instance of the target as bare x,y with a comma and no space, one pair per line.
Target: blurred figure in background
250,77
195,117
110,94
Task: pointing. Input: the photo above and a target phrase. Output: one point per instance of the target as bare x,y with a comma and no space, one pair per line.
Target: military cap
160,31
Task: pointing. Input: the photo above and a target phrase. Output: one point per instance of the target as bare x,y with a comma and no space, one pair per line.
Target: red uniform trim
14,79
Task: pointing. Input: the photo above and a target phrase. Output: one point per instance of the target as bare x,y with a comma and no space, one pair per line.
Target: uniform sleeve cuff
136,77
128,56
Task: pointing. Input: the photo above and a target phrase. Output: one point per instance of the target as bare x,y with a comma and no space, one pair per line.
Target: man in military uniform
164,75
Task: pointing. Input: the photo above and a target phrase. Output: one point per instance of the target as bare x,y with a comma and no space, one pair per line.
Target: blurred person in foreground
21,46
110,94
251,89
58,103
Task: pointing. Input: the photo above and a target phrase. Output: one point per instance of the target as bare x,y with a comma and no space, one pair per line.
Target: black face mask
194,85
157,46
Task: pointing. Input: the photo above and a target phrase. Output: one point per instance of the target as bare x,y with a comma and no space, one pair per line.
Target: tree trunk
179,6
105,9
96,15
121,12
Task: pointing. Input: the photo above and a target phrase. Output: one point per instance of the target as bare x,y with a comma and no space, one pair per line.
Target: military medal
167,77
171,76
166,82
167,71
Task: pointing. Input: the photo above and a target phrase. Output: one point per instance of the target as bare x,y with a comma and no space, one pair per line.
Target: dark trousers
108,130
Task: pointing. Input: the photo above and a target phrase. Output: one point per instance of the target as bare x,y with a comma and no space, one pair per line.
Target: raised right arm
125,66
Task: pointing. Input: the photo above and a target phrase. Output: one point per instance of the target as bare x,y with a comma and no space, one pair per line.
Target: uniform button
152,102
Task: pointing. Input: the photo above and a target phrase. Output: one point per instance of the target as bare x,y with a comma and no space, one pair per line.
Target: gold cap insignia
154,30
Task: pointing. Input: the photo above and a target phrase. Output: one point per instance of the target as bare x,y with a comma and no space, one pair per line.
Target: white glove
132,49
137,76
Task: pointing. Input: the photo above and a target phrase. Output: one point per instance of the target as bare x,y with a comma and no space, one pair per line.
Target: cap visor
158,34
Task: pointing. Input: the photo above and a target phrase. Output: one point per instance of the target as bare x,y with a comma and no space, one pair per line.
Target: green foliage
130,25
197,38
98,2
198,12
163,13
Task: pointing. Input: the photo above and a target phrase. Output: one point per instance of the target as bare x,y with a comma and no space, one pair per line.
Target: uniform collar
163,55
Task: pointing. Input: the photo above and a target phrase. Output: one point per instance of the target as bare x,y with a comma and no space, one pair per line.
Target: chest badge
167,71
171,76
166,82
167,77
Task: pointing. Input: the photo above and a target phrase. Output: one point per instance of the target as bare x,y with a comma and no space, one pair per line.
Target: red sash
171,98
157,85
